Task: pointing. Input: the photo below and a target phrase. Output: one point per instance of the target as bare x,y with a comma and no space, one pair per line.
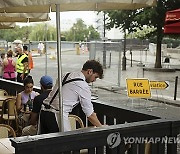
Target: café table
5,146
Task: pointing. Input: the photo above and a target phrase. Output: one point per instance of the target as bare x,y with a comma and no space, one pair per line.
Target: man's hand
22,76
94,120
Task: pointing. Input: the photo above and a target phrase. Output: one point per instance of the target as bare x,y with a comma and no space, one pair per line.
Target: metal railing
125,126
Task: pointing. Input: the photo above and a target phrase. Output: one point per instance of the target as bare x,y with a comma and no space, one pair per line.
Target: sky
87,16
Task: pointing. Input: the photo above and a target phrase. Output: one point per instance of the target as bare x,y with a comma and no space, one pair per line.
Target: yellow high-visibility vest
19,64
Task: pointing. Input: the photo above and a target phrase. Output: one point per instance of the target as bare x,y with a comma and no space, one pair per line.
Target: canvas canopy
172,22
24,6
24,17
7,25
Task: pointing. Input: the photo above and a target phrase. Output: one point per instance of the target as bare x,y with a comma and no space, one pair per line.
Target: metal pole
119,65
131,56
124,53
104,45
109,59
175,89
61,128
46,48
29,45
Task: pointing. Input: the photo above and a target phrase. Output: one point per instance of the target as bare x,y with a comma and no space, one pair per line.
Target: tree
43,32
153,17
17,33
80,32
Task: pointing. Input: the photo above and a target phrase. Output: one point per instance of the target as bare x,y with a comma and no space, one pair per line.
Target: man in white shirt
75,90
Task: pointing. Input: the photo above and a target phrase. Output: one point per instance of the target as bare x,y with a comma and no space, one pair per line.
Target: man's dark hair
47,87
95,66
25,47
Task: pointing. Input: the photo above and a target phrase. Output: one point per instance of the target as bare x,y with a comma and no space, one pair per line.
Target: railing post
109,59
175,89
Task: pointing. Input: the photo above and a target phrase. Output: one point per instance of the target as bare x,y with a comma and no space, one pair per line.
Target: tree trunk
158,48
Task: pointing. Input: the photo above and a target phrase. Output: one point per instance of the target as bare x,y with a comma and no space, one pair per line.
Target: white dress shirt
73,93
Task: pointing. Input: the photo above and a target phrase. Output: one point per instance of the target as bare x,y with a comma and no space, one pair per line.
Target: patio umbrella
23,17
172,22
7,25
14,6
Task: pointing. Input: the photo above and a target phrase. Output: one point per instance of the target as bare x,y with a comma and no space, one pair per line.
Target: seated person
46,83
25,98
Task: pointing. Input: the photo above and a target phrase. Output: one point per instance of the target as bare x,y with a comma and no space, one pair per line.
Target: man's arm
26,65
94,120
34,118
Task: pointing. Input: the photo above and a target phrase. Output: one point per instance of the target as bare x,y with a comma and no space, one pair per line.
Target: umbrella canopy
172,22
7,25
25,6
24,17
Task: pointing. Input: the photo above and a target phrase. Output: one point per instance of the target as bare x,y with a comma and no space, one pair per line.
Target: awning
172,16
172,22
172,28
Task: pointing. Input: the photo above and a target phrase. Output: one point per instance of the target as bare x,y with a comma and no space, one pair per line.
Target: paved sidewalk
107,89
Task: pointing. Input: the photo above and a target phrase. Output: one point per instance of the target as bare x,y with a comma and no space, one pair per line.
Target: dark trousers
48,123
19,79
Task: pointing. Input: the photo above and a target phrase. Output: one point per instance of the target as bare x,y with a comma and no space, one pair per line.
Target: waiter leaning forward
21,64
75,90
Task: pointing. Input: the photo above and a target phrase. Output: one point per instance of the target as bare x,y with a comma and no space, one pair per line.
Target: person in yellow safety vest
30,60
21,65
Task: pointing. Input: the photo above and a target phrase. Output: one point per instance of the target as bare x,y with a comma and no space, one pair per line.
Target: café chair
6,131
74,121
8,112
3,92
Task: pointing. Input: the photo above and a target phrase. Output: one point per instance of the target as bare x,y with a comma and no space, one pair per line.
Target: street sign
159,85
139,88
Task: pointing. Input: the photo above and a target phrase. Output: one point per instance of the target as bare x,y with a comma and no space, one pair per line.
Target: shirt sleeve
85,101
25,60
36,105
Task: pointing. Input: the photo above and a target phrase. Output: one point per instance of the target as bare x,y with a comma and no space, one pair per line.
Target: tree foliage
20,33
153,17
81,32
43,32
